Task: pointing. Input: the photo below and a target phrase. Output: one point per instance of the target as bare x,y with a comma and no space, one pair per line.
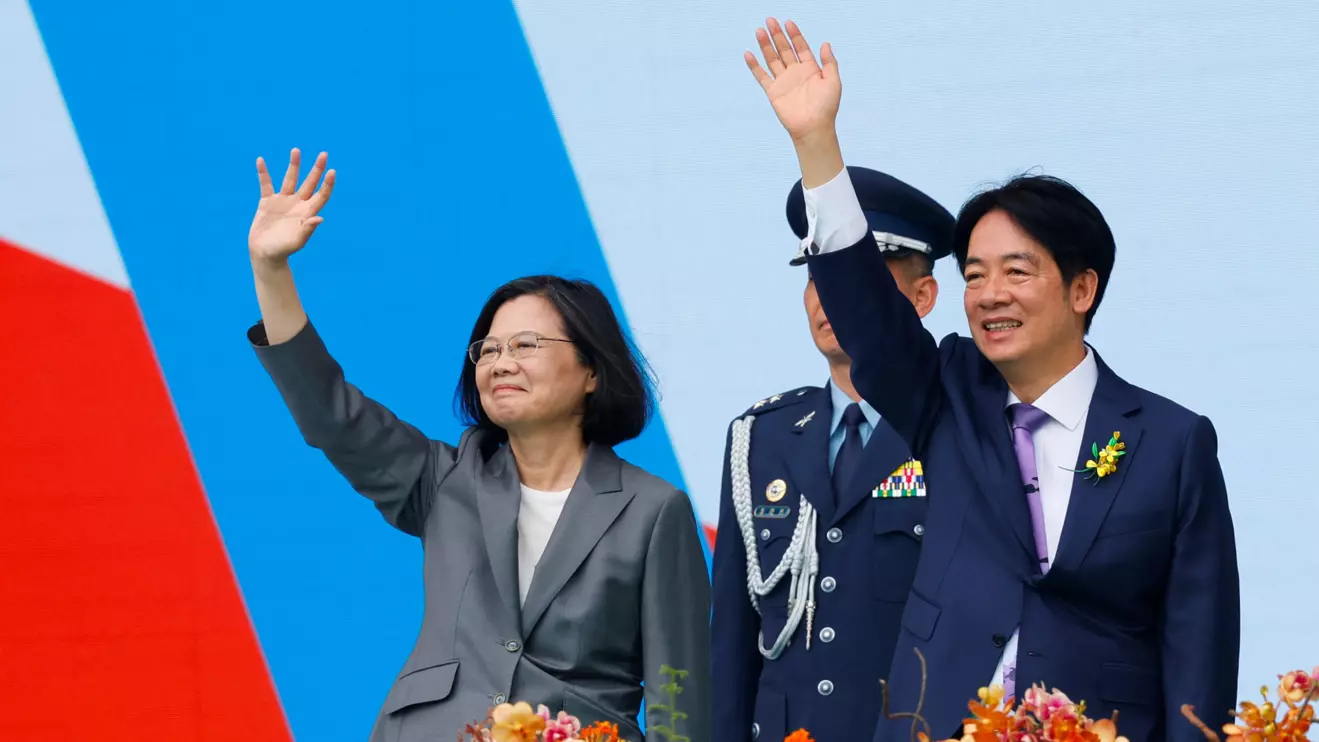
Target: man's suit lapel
595,502
884,453
499,495
807,452
989,446
1112,408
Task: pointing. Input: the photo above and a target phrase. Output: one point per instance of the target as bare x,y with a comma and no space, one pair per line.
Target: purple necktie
1027,419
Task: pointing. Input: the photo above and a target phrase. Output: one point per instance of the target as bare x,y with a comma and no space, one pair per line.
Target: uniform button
764,535
500,698
828,584
512,645
826,635
825,687
834,535
919,530
999,640
755,731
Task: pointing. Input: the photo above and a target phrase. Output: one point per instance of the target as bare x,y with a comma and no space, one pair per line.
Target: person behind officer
820,521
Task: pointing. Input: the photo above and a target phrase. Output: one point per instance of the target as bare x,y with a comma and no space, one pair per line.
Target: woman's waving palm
286,218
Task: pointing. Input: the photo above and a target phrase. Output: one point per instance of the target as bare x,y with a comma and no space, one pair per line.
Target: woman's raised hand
286,218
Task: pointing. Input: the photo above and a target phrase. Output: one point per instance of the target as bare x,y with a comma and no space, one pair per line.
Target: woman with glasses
555,573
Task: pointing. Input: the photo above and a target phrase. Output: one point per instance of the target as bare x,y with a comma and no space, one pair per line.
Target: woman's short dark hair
623,400
1057,216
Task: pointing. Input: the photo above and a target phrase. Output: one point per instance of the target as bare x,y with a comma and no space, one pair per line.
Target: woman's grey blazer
622,588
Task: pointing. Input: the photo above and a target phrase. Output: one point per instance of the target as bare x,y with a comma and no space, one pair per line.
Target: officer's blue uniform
804,629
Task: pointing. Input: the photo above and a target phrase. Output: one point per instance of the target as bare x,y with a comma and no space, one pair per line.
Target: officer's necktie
1026,419
849,456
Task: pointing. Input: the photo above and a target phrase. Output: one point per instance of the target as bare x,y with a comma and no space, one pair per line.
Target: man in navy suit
820,521
1079,534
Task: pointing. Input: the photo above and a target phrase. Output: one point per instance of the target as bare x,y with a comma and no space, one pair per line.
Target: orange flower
601,731
1064,727
1106,731
516,723
801,735
1298,722
991,718
1260,722
991,696
1296,685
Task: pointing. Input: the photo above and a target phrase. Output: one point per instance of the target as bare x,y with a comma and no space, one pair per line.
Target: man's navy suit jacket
1140,610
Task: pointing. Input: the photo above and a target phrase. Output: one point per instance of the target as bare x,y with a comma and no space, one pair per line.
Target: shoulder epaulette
776,401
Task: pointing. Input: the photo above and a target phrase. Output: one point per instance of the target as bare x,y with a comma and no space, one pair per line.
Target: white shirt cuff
834,219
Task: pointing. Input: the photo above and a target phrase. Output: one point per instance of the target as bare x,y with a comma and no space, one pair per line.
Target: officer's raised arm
895,361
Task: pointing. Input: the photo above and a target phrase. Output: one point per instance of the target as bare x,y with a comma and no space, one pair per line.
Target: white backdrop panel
1192,125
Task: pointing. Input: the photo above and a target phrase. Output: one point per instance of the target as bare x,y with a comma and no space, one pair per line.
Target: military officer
821,517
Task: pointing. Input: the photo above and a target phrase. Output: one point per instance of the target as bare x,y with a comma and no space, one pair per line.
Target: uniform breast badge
776,490
772,511
907,480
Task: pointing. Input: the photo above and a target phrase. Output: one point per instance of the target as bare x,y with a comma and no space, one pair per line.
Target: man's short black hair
914,264
1057,216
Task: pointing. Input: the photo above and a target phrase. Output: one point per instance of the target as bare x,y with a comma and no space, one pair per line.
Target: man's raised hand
285,219
804,94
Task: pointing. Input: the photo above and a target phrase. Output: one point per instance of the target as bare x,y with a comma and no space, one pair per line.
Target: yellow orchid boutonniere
1105,459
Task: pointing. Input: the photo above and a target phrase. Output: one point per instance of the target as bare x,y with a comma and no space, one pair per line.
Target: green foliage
673,688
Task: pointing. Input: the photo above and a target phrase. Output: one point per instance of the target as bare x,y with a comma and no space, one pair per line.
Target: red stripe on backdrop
119,615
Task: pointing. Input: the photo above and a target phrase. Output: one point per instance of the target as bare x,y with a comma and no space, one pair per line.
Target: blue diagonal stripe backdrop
451,180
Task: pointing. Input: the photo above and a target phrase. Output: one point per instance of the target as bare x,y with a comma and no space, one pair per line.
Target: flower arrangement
1053,717
1260,722
1040,717
517,722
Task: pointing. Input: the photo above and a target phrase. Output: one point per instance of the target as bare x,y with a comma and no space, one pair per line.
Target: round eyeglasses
520,346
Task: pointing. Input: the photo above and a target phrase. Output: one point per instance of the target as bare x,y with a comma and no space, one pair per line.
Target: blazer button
834,535
513,645
764,535
919,530
825,687
828,584
826,635
1000,640
755,731
500,698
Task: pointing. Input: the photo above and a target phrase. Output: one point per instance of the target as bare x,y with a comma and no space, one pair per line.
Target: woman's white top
537,515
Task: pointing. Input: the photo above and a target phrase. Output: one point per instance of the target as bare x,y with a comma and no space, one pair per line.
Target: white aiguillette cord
800,559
